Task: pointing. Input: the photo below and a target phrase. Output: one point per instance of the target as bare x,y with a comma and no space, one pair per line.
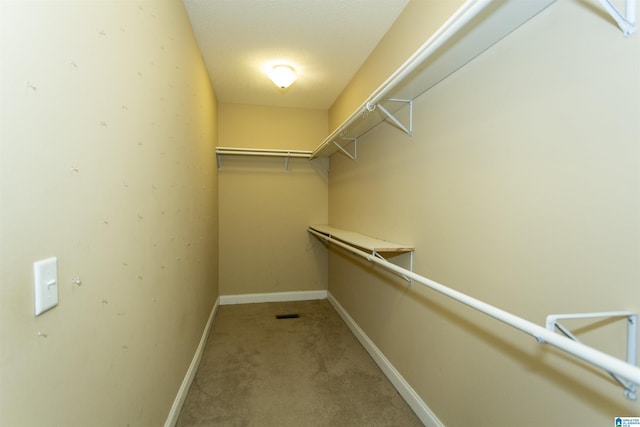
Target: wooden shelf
360,240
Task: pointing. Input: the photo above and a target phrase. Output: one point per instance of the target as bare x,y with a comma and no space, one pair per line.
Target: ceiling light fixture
282,75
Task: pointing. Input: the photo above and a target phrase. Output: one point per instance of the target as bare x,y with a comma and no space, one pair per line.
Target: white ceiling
325,41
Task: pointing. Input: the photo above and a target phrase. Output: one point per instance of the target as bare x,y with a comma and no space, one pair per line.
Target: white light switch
45,275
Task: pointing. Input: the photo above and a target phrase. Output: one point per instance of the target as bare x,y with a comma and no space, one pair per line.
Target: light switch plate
45,274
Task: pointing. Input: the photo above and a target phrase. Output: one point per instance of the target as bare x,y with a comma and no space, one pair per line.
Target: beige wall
107,162
265,208
521,187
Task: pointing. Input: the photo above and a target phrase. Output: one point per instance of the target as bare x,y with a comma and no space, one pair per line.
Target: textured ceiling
325,41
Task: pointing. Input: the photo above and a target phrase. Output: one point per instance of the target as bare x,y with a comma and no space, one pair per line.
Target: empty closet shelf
359,240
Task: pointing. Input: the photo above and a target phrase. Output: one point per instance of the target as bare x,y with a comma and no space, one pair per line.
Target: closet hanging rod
541,334
269,152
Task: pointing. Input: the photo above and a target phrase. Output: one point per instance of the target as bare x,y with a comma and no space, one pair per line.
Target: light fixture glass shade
282,76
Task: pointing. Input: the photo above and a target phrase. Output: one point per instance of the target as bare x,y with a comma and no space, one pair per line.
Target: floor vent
287,316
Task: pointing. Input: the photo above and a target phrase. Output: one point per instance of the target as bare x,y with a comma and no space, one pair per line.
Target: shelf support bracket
355,148
408,279
219,161
626,22
406,129
630,389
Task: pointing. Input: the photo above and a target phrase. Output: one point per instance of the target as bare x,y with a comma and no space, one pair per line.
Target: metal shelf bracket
630,389
406,129
626,22
404,276
345,152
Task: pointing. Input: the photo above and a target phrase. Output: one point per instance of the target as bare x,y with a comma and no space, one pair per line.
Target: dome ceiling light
282,75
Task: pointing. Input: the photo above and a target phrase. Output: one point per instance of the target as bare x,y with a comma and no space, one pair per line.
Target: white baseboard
272,297
172,419
414,401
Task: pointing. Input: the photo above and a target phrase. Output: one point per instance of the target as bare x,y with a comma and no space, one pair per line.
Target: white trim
172,419
272,297
421,409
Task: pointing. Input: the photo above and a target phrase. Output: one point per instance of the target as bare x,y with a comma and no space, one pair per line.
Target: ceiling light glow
282,76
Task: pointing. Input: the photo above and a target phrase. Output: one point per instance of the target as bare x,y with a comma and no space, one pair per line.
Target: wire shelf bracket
630,389
344,150
404,276
394,120
626,22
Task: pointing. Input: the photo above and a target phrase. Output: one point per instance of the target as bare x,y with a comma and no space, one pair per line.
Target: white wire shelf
475,27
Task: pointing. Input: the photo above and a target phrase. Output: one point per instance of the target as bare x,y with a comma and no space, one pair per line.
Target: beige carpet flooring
257,370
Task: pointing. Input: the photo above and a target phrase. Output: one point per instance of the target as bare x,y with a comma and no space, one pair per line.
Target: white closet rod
268,152
454,24
542,335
